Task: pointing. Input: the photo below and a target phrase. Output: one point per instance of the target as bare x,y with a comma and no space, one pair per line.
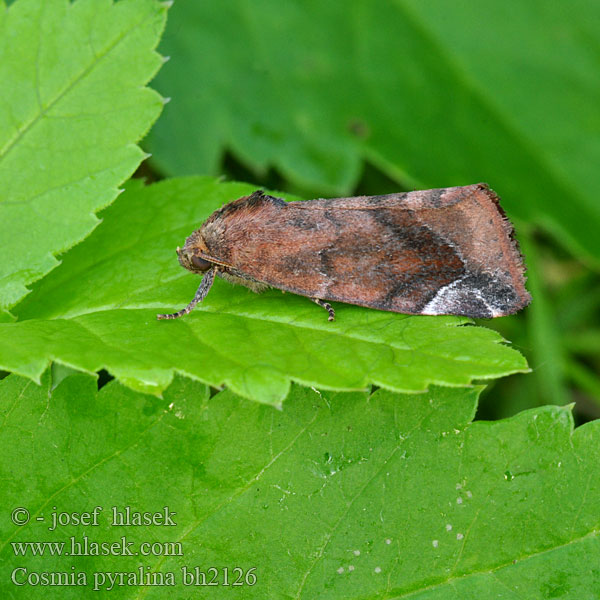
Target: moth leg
326,306
203,289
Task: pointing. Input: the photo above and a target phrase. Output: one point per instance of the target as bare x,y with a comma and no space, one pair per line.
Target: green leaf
72,106
434,93
338,496
98,310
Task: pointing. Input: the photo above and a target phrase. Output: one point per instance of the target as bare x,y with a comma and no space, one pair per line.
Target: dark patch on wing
471,306
303,220
435,197
481,295
338,220
293,263
438,263
307,220
497,294
383,199
326,259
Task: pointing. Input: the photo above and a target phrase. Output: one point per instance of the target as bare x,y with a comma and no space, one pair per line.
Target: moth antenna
203,289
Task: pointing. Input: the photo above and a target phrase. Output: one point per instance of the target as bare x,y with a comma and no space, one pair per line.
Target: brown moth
446,251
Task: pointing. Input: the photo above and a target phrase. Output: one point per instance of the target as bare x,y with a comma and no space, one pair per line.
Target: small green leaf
433,93
98,310
337,496
72,106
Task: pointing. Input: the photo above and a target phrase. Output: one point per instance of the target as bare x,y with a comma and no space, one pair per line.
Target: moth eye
200,263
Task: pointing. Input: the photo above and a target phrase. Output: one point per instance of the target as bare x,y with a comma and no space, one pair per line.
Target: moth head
193,262
191,255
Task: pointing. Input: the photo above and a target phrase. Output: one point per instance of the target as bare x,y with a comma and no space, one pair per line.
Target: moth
447,251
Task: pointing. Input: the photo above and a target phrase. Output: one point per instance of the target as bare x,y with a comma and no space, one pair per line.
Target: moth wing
447,251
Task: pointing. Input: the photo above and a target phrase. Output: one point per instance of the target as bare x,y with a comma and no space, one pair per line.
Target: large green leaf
338,496
434,93
72,106
98,310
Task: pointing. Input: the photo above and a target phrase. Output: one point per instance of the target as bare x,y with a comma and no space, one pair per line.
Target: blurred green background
372,96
